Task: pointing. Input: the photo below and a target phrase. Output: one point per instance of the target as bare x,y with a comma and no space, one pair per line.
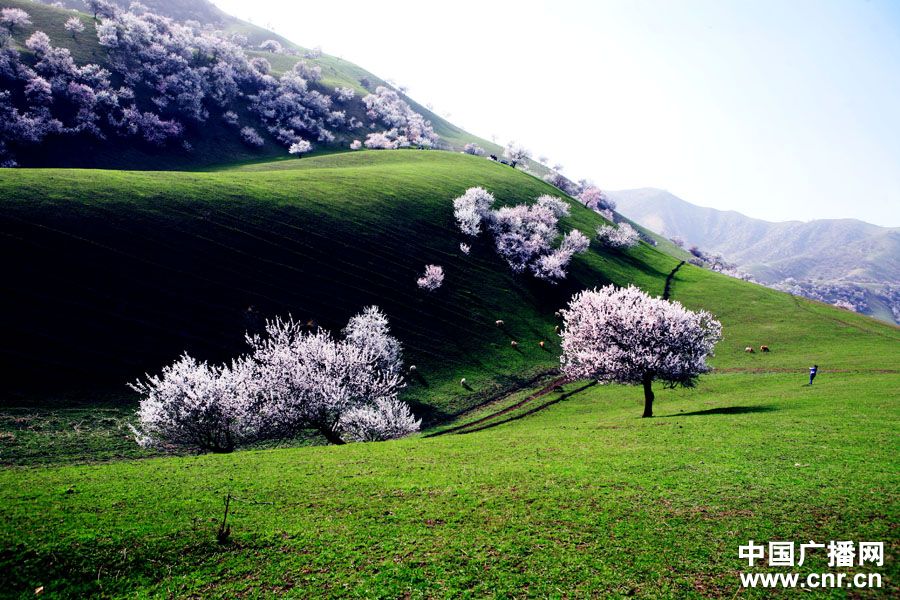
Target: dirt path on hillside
528,399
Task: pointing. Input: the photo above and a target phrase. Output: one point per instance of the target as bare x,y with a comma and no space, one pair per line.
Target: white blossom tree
619,237
473,149
516,153
471,209
74,26
344,94
300,147
196,405
625,336
432,279
313,380
251,137
13,18
385,419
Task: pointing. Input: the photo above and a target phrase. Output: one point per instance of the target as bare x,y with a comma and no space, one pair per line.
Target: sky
777,109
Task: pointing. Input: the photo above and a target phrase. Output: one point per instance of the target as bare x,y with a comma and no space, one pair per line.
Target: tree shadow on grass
724,410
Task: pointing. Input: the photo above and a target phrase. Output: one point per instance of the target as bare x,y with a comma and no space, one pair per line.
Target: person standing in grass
812,373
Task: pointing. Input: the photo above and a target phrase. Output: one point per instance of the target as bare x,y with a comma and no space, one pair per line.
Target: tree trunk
331,436
648,396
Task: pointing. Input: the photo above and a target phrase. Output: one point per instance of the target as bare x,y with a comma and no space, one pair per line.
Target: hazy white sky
784,109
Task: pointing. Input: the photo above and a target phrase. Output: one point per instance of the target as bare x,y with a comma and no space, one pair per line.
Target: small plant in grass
223,534
432,279
625,336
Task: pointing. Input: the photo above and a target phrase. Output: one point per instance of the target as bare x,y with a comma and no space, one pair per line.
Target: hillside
116,273
844,252
209,141
125,270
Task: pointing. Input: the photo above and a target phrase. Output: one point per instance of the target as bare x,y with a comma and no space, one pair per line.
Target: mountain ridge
842,252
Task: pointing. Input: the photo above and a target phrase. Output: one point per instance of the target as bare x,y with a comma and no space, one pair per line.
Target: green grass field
564,494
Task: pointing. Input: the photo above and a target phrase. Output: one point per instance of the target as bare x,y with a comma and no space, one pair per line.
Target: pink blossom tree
625,336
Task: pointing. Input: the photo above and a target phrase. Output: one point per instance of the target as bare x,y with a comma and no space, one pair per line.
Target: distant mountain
840,252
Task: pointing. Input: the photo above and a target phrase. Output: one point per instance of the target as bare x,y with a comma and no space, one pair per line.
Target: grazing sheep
462,382
499,322
541,343
763,348
514,344
412,368
749,349
556,329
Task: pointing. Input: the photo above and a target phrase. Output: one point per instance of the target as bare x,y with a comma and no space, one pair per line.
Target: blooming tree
516,153
592,197
346,389
12,18
465,248
561,182
344,94
619,237
625,336
370,330
472,208
355,145
473,149
74,26
273,46
523,235
251,137
380,141
386,105
432,279
385,419
193,404
300,147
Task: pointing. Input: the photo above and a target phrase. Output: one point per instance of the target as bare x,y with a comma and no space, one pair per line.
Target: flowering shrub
346,389
432,279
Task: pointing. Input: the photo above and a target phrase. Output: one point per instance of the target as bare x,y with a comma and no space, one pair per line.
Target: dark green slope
116,273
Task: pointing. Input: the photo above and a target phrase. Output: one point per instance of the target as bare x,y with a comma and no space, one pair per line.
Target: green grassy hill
213,142
566,493
121,271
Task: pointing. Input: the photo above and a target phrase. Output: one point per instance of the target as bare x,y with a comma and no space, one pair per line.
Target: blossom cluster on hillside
292,380
524,235
162,76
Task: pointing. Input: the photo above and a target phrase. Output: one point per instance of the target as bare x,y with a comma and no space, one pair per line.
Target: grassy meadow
537,493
